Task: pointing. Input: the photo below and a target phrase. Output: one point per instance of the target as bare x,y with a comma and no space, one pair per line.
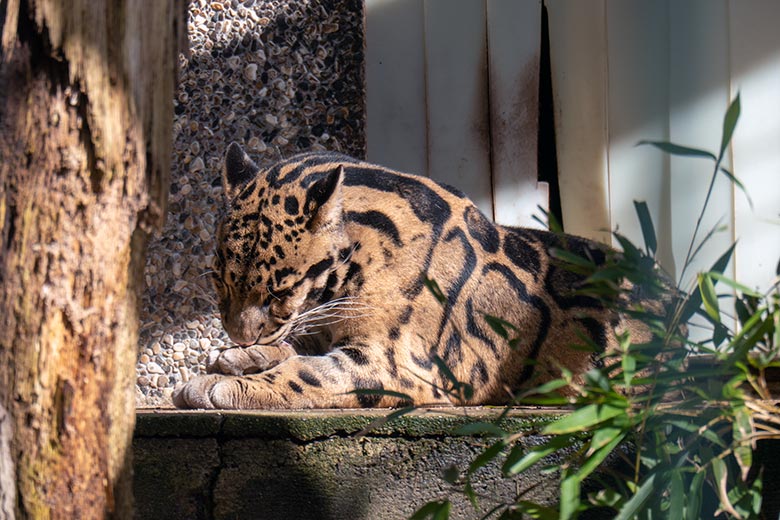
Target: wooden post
85,144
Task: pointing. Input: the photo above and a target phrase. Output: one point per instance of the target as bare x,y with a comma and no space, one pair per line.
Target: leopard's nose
248,327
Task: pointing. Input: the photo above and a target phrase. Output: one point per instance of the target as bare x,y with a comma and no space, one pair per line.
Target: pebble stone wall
278,76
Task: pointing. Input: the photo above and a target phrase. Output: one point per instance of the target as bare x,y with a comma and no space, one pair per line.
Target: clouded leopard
321,266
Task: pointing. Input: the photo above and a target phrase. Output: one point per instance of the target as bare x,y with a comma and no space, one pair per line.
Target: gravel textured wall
278,76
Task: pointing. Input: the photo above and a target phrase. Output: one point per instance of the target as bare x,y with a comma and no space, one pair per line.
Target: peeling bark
86,89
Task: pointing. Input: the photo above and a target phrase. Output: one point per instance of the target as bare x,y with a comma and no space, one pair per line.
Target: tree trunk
86,90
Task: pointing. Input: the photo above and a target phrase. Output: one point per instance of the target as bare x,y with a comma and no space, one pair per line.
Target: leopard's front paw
239,361
233,361
209,391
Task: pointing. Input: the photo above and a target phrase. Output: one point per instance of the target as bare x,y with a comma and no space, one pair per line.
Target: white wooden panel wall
452,93
395,85
513,43
699,94
755,69
578,59
457,103
638,108
666,70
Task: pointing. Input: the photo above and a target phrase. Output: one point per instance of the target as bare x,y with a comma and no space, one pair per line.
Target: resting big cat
322,266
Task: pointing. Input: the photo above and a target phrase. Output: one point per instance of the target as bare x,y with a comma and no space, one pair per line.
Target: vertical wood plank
638,108
578,59
699,95
755,65
456,81
395,85
514,37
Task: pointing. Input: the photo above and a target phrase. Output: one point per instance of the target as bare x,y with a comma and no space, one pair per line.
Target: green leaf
631,508
486,456
720,474
676,149
434,288
499,326
676,497
439,510
708,296
570,496
583,418
547,388
743,429
628,363
694,497
445,370
630,251
550,222
571,258
739,185
744,289
603,437
694,301
521,458
535,510
648,230
609,441
729,123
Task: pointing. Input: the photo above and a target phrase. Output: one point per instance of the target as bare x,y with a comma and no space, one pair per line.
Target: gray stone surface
279,76
314,465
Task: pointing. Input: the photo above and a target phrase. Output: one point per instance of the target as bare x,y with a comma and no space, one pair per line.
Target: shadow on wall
279,77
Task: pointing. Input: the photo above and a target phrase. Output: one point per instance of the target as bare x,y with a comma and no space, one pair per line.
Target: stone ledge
307,425
313,464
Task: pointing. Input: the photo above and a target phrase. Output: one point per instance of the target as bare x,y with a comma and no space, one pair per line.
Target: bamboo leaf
547,388
445,370
597,457
583,418
439,510
434,288
486,456
571,258
519,460
693,507
744,289
676,497
570,496
743,449
729,123
694,301
648,230
631,508
499,326
721,476
676,149
739,185
537,511
628,363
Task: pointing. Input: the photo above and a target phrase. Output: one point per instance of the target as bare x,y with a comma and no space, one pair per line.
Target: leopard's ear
323,203
238,171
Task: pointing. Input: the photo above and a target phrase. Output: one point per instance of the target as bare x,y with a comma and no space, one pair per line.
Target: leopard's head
277,245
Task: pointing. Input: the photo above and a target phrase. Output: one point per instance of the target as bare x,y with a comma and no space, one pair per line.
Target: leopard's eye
282,294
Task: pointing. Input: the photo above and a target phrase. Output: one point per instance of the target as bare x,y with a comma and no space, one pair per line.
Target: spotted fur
321,269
